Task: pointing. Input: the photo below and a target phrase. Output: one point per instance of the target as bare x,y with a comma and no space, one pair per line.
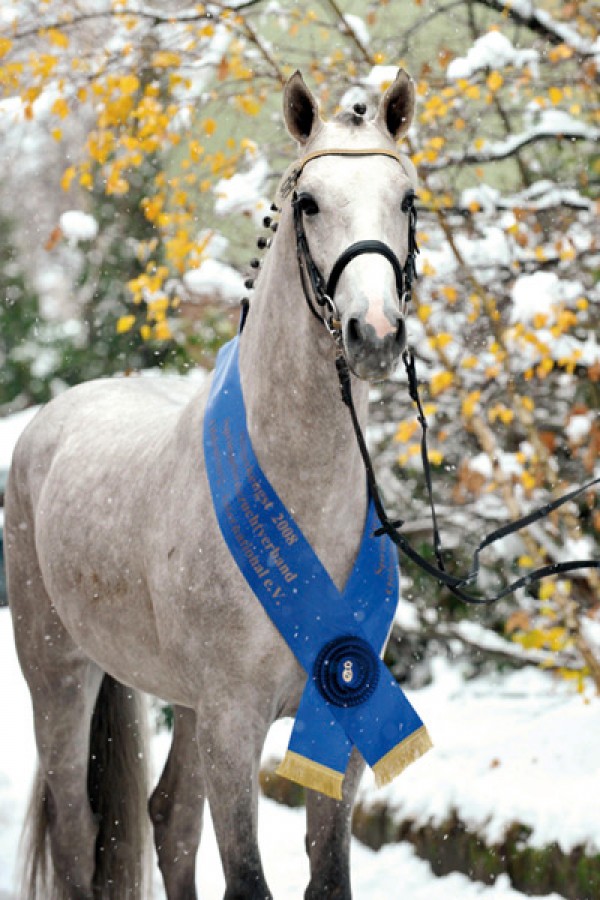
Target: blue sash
350,698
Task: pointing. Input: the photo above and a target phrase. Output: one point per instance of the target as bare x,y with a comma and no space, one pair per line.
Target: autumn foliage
506,145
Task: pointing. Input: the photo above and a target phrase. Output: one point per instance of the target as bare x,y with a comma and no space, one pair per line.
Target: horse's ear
300,109
397,106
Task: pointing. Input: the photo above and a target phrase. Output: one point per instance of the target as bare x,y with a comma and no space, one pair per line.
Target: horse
120,581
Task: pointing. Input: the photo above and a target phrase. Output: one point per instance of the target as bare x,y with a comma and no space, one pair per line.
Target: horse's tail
117,788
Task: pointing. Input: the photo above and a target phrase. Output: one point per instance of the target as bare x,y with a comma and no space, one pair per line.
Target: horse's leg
86,816
230,740
63,696
328,824
176,808
64,686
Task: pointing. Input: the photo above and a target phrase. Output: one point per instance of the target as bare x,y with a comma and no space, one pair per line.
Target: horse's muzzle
371,354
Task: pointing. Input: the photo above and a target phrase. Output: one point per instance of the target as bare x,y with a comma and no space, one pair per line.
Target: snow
78,226
10,430
243,192
578,427
492,50
544,739
513,748
540,293
216,280
548,123
379,76
359,28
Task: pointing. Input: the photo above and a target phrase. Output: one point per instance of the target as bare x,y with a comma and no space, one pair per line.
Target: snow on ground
376,876
10,430
471,728
521,747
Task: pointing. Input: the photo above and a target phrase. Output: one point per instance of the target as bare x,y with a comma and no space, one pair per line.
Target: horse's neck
300,429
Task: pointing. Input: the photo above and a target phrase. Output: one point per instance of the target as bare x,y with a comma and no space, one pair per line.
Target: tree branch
542,23
508,148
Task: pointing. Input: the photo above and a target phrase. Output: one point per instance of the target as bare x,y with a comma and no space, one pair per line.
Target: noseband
321,293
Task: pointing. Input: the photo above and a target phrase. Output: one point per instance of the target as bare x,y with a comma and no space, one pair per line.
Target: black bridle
320,294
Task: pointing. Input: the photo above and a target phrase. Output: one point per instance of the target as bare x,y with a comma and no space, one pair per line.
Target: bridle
320,295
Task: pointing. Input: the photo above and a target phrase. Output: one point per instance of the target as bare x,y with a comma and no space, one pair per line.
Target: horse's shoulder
103,412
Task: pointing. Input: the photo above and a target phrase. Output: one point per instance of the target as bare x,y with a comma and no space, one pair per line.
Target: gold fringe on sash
401,756
311,774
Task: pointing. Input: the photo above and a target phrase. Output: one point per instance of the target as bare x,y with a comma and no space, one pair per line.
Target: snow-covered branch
525,13
554,125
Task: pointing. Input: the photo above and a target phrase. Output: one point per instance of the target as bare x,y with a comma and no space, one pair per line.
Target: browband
290,182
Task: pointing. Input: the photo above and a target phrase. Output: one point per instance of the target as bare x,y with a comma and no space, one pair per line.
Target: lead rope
454,584
323,294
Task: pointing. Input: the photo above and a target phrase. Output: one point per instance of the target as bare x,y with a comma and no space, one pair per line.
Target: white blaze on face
371,277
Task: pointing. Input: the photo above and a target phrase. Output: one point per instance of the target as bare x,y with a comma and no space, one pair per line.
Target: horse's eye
307,204
407,201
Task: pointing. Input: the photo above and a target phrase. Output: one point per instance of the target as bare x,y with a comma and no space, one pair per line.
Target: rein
321,294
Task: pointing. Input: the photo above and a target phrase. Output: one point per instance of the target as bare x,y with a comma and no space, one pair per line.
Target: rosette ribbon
350,698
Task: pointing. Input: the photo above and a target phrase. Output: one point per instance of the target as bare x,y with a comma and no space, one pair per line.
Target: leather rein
320,295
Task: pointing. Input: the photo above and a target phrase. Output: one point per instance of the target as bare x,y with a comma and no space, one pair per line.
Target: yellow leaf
469,403
528,403
129,84
125,323
556,95
249,105
5,45
67,178
57,38
547,589
440,381
494,81
405,431
162,332
527,480
60,108
450,293
164,59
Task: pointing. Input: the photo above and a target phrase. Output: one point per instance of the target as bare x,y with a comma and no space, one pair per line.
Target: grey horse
119,579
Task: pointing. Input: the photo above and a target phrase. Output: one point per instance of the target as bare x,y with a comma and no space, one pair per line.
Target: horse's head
354,211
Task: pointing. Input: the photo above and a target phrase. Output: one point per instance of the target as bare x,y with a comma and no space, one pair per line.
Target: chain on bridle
320,294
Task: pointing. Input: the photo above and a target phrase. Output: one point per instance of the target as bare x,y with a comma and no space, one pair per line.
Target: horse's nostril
354,334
